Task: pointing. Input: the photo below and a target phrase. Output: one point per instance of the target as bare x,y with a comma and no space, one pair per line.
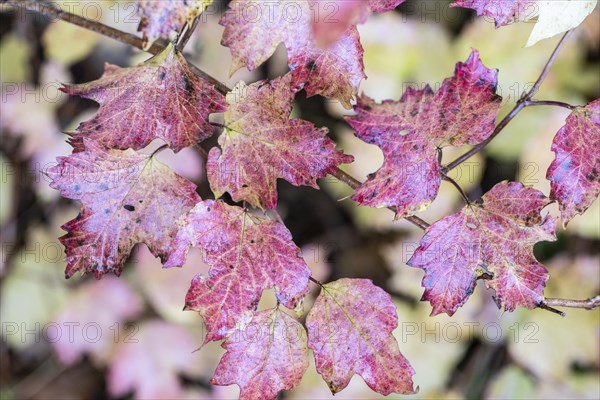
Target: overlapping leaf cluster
128,197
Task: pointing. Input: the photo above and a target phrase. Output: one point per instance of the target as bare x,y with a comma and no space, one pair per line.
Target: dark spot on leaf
129,207
310,65
230,266
187,84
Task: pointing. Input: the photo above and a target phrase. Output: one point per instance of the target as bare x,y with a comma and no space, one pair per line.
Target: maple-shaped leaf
247,255
127,198
160,18
261,143
495,238
160,98
268,356
410,132
350,331
575,172
331,18
253,30
553,17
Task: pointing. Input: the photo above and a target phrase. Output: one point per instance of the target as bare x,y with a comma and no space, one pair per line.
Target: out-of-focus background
128,338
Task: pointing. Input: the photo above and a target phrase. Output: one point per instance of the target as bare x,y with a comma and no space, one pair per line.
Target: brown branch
549,103
313,280
523,102
457,187
50,10
187,34
588,304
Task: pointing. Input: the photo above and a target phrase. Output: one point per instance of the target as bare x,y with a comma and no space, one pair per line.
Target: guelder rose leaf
495,238
260,144
554,17
247,255
254,29
333,72
575,172
127,198
268,356
160,18
350,331
410,131
331,18
160,98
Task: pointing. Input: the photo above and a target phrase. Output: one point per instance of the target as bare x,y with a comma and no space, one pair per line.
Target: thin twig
445,177
588,304
52,11
548,65
549,103
546,307
521,103
315,281
457,186
161,148
187,34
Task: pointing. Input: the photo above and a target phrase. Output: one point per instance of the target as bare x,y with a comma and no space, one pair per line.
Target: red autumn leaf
267,356
260,144
495,238
127,198
332,18
410,131
160,18
253,30
247,255
160,98
350,331
575,172
503,12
